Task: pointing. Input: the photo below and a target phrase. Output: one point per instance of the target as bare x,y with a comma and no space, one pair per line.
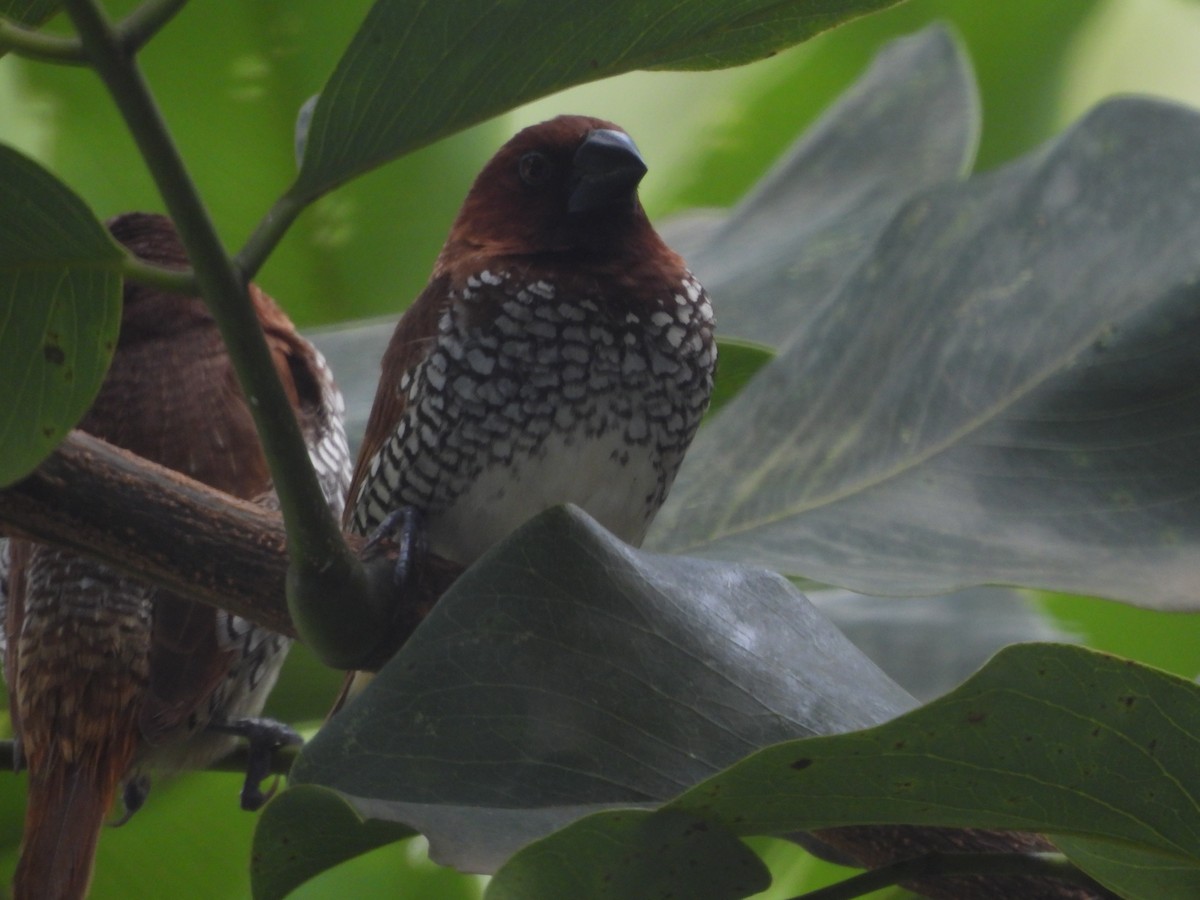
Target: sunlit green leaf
60,308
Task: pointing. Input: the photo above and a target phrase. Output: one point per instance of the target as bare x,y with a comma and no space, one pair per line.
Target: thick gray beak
605,172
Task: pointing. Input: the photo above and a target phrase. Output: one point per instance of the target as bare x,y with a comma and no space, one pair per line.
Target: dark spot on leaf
48,431
899,745
974,718
1096,732
802,764
1128,701
1152,745
699,826
1029,738
54,354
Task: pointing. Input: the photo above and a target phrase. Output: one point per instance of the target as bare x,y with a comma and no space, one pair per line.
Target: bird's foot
133,797
265,736
406,527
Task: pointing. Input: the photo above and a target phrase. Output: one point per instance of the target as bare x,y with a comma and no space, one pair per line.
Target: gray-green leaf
566,672
1004,389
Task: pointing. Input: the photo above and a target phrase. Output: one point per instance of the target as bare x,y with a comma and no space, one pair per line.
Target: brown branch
163,527
883,846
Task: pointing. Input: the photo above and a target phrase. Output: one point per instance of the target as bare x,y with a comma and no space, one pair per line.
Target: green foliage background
229,75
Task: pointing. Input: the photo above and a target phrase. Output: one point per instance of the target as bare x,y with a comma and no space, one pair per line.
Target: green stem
268,234
337,615
176,281
33,44
942,865
144,22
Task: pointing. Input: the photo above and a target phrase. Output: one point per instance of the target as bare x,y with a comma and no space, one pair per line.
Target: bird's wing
409,345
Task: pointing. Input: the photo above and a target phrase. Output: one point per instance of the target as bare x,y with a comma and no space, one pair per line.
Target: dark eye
535,168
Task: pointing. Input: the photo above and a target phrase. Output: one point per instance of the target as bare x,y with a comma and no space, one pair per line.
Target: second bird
561,353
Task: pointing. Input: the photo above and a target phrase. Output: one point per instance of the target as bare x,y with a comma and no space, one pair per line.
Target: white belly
588,473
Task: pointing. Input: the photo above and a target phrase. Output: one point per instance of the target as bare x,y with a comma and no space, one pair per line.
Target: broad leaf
1134,874
418,71
303,832
1045,737
566,672
1004,390
910,122
60,310
635,854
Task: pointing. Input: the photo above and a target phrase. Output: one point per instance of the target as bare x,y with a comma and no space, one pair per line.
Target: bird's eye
534,168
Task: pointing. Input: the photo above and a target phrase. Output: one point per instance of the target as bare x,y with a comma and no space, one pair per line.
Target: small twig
32,44
267,234
175,281
942,865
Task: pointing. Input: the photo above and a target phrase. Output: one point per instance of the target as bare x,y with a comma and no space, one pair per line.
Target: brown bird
561,353
109,677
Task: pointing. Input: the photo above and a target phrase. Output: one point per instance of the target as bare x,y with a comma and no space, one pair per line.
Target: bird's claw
265,736
133,797
406,526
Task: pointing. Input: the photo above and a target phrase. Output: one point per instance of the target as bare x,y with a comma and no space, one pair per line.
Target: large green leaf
635,854
911,121
1045,737
1133,873
1005,389
306,830
566,672
60,309
417,71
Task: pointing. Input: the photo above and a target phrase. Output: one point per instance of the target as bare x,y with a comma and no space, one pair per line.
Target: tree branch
925,858
943,865
165,528
321,564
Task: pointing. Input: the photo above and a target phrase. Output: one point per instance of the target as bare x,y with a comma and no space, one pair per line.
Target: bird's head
568,185
148,313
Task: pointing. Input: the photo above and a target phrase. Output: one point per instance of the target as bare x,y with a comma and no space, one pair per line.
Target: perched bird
109,677
561,353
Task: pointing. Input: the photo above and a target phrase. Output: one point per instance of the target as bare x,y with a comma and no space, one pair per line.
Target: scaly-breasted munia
110,677
561,353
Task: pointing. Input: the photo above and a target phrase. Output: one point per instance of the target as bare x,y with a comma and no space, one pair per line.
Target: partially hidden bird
560,353
111,678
